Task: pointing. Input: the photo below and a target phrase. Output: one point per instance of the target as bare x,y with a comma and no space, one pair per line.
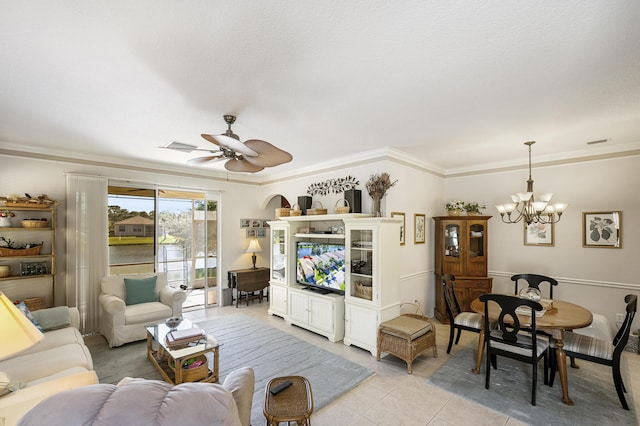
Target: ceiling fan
250,156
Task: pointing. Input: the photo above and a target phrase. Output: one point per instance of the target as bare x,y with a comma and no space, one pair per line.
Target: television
321,266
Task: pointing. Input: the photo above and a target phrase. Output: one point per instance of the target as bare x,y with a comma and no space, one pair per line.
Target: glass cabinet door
452,240
361,257
476,240
278,255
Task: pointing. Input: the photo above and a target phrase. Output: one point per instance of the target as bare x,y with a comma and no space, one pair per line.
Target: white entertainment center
371,276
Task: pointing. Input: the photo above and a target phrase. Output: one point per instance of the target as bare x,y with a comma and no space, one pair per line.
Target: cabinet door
469,289
361,259
299,307
453,247
361,326
278,255
476,248
321,314
278,300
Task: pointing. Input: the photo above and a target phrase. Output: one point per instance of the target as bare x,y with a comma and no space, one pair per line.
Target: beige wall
596,278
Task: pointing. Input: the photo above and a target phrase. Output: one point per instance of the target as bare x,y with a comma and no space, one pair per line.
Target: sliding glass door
181,239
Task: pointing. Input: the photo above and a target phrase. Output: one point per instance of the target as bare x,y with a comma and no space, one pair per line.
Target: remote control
282,386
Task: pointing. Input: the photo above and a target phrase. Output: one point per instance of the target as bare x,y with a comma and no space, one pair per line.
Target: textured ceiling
455,85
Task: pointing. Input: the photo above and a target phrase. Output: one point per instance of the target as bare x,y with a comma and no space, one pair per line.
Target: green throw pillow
141,290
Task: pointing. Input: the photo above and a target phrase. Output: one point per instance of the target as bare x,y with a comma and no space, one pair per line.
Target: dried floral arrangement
377,185
333,186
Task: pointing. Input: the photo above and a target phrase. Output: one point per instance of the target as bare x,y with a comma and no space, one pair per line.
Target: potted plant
454,207
474,208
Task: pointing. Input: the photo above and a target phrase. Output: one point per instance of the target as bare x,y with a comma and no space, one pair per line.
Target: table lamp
254,247
16,331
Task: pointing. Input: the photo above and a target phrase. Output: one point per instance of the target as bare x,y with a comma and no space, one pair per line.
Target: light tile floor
391,396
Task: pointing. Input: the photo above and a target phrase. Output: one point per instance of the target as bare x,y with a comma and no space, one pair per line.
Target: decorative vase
473,213
377,209
455,212
5,222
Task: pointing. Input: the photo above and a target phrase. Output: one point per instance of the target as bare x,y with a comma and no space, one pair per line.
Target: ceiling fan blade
230,143
204,160
269,155
242,165
179,146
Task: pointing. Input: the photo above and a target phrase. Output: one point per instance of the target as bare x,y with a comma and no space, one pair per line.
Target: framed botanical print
400,215
539,234
419,230
602,229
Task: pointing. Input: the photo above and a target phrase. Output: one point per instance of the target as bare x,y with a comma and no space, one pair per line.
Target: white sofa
151,402
60,361
121,323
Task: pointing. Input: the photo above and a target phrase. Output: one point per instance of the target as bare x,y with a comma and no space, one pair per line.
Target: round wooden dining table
564,316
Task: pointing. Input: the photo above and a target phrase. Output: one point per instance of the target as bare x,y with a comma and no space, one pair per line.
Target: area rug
247,342
590,387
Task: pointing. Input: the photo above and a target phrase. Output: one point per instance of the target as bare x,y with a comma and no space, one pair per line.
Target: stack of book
183,337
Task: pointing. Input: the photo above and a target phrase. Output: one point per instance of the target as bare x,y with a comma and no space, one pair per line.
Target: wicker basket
281,212
31,251
5,271
316,211
295,210
193,374
342,207
364,291
35,303
35,223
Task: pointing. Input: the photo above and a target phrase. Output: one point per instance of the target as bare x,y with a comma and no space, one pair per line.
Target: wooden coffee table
161,355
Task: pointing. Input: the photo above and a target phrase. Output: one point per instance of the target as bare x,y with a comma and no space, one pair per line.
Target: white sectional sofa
60,361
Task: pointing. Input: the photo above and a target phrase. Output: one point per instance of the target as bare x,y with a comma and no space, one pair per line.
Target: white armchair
121,323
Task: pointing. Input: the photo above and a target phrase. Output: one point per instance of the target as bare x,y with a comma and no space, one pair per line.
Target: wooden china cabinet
461,250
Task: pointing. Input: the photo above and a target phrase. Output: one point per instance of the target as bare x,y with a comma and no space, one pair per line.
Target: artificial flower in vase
473,209
377,186
5,218
454,207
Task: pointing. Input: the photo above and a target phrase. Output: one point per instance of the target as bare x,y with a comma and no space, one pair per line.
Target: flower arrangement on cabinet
377,186
474,207
455,205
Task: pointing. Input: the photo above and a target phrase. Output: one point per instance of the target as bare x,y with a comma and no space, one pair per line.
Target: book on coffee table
182,337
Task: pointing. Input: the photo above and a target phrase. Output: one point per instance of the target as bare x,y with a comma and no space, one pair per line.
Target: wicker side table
295,403
406,337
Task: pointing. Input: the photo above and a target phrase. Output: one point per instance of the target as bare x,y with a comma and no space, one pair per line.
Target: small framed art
419,232
602,229
245,223
401,215
251,233
539,234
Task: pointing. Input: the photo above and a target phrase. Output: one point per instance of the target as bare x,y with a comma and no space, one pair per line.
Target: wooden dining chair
458,320
506,339
601,351
534,280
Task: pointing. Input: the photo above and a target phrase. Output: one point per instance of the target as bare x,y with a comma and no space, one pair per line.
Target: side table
249,281
295,403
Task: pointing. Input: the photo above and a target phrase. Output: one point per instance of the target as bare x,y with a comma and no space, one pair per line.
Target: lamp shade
254,247
16,331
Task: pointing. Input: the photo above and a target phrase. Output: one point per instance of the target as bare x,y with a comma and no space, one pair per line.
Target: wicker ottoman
406,337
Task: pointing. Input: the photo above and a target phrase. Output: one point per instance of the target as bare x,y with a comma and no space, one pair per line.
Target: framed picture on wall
261,233
539,234
419,231
251,233
403,228
245,223
602,229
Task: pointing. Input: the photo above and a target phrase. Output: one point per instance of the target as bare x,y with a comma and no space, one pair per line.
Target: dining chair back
601,351
458,320
506,339
534,280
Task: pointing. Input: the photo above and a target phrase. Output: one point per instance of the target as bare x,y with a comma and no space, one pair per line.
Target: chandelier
527,208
